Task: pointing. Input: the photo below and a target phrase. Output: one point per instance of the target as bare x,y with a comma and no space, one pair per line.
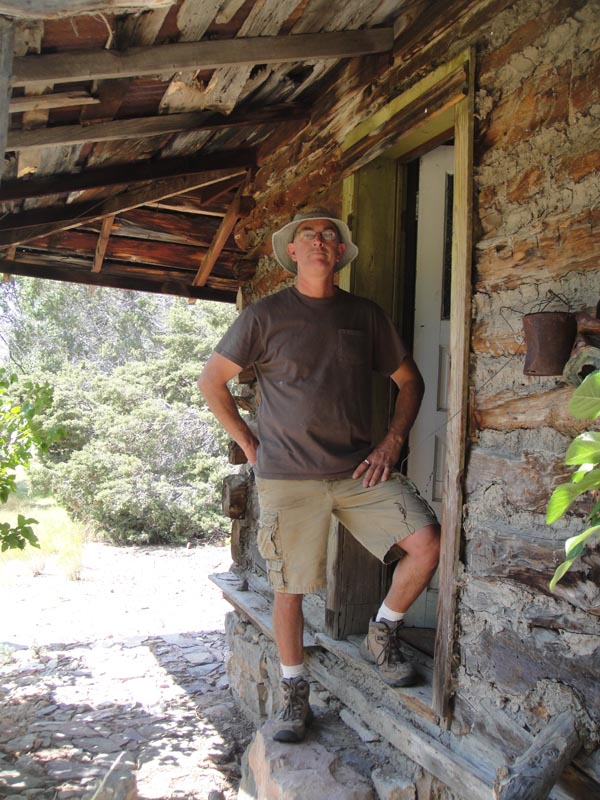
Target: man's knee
285,602
424,544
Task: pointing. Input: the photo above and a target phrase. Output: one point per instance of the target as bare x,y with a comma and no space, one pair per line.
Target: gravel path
127,664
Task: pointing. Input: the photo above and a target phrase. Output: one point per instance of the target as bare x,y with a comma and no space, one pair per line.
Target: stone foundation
341,758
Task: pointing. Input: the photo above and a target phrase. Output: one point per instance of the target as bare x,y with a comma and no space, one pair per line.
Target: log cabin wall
522,650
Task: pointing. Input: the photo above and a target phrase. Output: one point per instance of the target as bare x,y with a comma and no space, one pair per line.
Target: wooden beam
234,212
35,102
52,9
82,275
456,431
30,225
7,38
137,172
107,224
533,774
140,127
210,54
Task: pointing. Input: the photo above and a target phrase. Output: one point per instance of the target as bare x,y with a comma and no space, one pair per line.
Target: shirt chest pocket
352,347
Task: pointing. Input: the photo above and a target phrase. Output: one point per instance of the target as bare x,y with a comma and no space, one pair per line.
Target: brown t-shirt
313,358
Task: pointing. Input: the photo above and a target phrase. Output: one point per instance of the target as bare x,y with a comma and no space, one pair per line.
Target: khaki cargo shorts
296,515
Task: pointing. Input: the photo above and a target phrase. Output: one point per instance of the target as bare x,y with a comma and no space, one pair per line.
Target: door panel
426,461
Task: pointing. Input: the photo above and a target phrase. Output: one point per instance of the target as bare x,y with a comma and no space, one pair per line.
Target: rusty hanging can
549,336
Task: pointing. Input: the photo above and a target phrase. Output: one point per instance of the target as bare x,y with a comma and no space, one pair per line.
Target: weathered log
246,375
505,412
514,663
535,772
584,360
235,543
235,454
527,481
234,496
528,557
51,9
566,243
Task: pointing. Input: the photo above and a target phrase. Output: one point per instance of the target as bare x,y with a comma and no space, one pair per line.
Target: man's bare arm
385,455
212,382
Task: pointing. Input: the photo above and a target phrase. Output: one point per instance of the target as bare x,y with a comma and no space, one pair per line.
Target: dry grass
61,540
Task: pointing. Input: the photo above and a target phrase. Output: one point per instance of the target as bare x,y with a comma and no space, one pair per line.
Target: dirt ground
130,657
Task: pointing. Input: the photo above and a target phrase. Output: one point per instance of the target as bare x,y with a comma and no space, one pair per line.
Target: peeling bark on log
566,243
505,412
529,557
235,454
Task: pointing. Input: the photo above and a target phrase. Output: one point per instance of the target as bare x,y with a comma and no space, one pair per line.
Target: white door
427,442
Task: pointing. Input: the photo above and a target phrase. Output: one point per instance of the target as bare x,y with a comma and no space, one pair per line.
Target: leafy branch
584,453
22,405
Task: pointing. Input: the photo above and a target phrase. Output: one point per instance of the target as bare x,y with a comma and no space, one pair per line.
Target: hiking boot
296,714
382,648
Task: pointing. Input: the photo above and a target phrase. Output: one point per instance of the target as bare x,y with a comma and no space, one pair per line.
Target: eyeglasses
308,235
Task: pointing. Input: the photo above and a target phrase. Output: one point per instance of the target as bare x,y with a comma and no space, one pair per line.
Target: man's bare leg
415,570
288,627
411,576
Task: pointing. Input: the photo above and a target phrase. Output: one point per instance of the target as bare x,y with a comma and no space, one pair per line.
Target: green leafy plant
584,453
21,405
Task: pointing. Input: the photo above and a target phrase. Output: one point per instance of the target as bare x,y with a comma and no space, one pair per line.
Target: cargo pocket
269,546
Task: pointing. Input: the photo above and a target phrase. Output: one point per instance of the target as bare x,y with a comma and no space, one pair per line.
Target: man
314,348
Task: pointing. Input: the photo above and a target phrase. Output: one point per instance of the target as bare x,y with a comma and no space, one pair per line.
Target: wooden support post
535,772
103,238
7,45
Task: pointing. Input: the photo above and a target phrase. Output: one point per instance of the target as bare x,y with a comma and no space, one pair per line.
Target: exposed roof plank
7,37
137,172
227,84
140,127
211,54
70,274
56,100
82,244
27,226
51,9
102,244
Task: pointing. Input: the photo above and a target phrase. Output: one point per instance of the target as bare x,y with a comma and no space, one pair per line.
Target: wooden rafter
113,176
140,127
50,9
103,238
29,225
6,60
168,59
158,284
35,102
234,212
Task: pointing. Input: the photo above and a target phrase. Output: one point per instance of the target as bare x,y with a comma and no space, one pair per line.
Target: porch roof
135,126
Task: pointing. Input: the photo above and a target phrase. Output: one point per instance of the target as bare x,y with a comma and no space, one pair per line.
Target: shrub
584,453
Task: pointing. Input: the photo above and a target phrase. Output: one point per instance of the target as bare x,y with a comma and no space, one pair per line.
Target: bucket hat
285,235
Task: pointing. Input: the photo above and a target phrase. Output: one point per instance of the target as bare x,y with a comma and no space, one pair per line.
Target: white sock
389,615
294,671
